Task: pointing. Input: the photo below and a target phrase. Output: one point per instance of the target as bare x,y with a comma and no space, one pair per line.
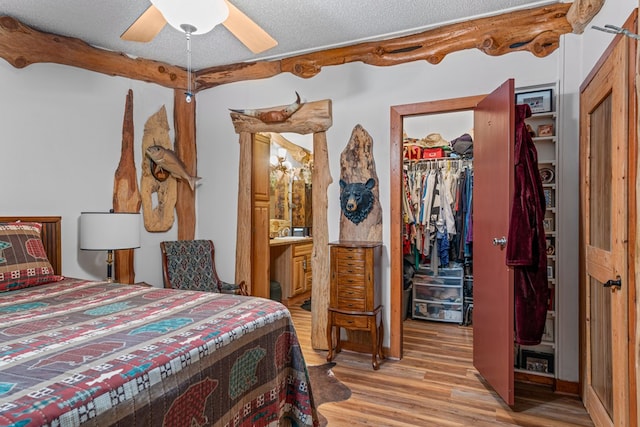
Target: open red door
494,134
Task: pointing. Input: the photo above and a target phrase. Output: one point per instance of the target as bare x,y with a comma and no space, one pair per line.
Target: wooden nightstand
355,294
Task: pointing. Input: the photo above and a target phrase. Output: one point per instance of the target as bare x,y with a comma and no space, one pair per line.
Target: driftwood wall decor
126,196
357,169
158,211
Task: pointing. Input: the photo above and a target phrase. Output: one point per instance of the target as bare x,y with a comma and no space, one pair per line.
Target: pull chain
188,29
189,93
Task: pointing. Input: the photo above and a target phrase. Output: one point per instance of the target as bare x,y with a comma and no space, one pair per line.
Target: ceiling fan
198,17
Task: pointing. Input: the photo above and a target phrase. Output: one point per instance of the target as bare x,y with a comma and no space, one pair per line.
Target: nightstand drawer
350,321
350,253
350,267
351,304
351,292
350,280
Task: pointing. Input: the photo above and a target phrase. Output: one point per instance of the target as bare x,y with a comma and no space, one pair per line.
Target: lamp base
109,266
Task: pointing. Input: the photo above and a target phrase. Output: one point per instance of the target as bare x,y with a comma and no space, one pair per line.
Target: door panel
493,334
603,175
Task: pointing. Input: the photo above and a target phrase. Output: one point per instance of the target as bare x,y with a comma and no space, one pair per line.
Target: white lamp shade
204,15
103,231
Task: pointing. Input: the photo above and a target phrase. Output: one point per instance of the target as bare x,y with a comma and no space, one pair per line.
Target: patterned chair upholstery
190,264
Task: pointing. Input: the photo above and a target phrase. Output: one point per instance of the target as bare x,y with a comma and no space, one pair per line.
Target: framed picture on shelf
545,130
548,197
539,101
551,248
537,361
548,224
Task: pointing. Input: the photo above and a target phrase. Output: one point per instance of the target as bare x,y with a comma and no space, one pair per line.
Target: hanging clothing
526,245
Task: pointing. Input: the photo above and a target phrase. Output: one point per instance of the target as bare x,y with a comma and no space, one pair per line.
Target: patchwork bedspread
78,352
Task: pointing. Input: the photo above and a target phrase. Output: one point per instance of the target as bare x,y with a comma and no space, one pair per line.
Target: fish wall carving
167,160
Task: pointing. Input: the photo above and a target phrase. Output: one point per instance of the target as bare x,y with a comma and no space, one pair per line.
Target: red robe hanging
526,244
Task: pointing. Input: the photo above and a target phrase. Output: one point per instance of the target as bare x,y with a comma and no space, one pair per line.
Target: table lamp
109,231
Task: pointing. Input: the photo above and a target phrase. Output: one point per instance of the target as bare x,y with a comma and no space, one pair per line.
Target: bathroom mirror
291,164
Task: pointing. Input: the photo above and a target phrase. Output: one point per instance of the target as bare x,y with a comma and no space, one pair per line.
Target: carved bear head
356,199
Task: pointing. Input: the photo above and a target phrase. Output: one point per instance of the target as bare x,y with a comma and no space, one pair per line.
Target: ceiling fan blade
247,31
146,27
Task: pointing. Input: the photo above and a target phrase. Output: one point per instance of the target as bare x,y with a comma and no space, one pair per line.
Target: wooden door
260,279
604,139
493,334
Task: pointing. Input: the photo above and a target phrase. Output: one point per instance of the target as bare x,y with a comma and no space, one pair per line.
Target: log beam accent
536,30
126,196
216,76
184,122
21,46
312,117
582,12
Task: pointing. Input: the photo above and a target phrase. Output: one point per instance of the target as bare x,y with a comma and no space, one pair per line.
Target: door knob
617,283
502,242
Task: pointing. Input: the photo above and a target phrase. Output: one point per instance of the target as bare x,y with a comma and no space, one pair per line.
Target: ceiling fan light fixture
203,15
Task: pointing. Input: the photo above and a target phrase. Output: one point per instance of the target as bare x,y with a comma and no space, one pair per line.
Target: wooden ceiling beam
536,30
21,46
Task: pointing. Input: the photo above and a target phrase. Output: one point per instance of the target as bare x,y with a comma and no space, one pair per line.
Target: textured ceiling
299,26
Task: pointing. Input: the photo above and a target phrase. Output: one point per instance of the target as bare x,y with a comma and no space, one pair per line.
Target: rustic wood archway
314,117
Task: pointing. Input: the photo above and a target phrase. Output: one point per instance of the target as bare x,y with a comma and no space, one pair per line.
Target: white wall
62,129
59,149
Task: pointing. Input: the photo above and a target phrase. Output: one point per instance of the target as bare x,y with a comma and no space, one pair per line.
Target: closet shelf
551,138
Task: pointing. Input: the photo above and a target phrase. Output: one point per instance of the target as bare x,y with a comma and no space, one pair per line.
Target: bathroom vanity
291,266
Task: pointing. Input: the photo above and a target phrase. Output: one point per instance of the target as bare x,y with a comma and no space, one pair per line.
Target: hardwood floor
435,384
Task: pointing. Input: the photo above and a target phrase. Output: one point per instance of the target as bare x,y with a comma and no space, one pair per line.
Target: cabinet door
298,285
493,334
308,277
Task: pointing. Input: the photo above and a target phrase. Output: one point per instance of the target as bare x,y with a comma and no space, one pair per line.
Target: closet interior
437,224
437,227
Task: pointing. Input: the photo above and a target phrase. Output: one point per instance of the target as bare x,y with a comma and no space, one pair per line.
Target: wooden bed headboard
51,236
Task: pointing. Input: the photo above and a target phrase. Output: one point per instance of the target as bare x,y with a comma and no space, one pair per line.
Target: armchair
190,264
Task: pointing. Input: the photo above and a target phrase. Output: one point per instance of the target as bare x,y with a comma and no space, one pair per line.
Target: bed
79,352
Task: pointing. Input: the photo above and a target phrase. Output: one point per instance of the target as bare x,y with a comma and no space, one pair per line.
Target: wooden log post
184,119
126,196
321,178
243,229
